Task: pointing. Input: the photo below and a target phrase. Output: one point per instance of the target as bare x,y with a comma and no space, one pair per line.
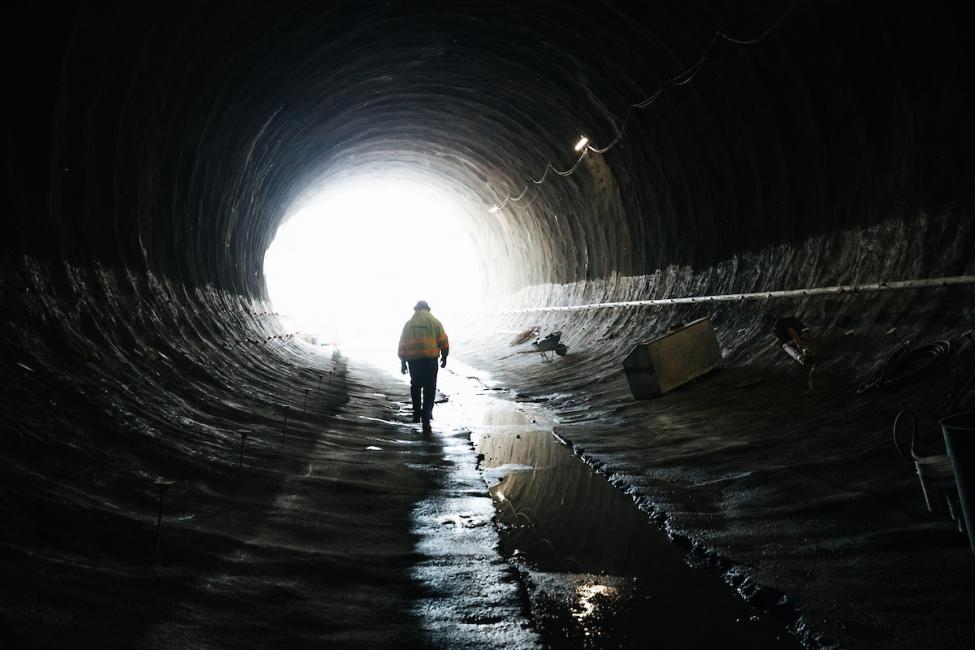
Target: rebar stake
163,485
243,439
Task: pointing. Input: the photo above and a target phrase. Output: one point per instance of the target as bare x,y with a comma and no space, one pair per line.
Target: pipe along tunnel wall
152,153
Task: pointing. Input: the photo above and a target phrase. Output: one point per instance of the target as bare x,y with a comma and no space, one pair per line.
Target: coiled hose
905,364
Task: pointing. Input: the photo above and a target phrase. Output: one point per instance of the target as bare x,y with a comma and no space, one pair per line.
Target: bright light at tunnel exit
348,266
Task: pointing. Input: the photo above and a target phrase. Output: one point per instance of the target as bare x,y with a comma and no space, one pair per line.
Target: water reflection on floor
598,573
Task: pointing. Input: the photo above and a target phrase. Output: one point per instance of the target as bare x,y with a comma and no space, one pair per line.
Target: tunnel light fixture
581,144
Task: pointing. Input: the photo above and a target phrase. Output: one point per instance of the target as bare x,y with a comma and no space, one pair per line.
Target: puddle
597,571
470,595
594,571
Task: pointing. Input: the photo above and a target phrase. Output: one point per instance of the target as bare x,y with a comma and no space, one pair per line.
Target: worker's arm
444,346
402,351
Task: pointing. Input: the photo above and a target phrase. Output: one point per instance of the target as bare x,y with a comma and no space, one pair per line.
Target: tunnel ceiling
174,139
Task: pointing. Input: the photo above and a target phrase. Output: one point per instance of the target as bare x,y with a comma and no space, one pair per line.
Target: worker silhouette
422,341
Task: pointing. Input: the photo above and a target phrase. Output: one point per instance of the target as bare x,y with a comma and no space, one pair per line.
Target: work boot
416,417
426,426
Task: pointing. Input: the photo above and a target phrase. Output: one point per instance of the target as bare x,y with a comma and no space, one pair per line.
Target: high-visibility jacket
423,337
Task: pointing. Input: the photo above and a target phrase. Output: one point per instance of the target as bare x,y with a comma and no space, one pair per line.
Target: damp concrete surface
521,520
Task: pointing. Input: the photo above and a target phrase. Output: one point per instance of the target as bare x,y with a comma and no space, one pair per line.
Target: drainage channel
597,572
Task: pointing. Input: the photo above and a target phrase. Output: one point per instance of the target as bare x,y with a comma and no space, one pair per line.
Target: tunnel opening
351,258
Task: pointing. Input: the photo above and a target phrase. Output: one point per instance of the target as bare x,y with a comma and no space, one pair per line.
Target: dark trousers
423,379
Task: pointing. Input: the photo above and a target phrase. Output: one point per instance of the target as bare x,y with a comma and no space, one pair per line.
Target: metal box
661,365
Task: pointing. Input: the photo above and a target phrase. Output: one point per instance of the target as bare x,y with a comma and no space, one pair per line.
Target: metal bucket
937,478
959,431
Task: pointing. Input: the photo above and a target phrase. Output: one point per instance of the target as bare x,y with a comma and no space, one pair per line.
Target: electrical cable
905,364
648,102
619,136
680,79
688,75
761,37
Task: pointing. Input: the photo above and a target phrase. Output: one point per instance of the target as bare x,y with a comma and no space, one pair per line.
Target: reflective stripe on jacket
423,338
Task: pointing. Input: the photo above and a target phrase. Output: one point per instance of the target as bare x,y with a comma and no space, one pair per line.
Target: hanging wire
680,79
648,102
761,37
687,76
538,190
619,136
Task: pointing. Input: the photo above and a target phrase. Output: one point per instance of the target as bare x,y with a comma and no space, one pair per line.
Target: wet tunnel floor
596,570
318,544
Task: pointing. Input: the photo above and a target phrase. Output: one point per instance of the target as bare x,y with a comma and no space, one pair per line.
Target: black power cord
906,364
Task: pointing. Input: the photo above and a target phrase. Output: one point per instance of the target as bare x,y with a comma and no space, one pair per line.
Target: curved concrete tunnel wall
154,152
176,140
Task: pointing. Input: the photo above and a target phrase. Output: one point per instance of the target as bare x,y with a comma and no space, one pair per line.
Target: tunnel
223,213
